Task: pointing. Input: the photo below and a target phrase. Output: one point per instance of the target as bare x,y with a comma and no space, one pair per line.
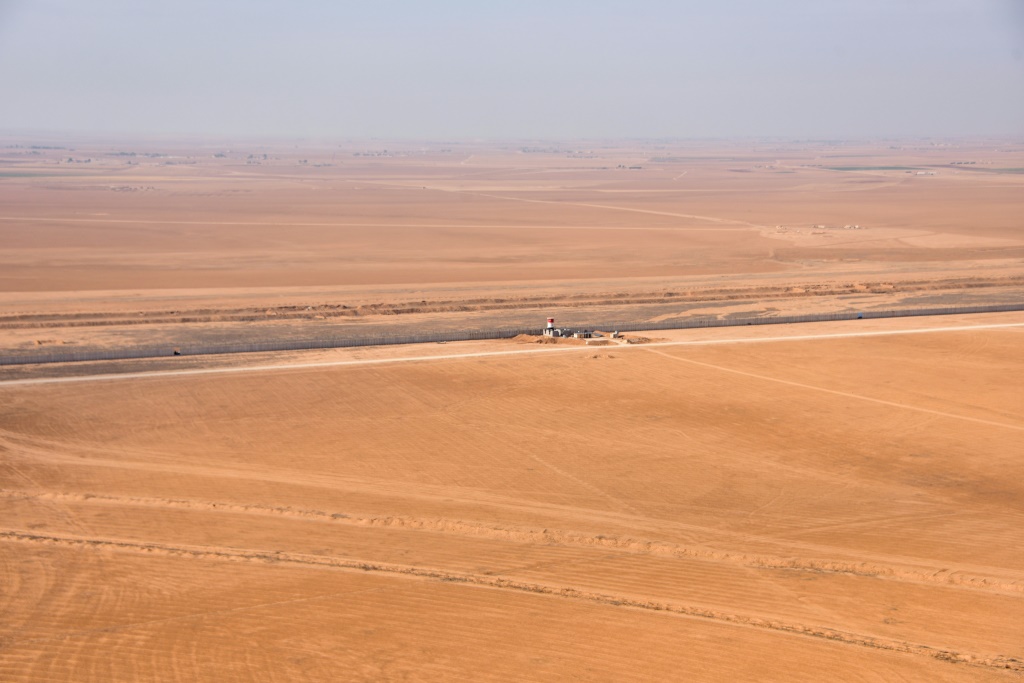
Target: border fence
425,337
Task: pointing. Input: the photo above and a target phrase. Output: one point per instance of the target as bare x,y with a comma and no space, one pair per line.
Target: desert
822,501
184,242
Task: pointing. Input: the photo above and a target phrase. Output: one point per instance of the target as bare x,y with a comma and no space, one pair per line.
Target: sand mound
533,339
541,339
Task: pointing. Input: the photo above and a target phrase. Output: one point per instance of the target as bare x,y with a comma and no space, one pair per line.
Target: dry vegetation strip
234,555
315,310
910,570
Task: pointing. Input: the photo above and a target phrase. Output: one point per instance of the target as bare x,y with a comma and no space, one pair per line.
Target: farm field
802,508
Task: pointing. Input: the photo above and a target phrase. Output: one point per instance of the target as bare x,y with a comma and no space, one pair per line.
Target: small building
552,331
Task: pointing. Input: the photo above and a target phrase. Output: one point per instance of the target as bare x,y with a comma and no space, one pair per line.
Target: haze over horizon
458,70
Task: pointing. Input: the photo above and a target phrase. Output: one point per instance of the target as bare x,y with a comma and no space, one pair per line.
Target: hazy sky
456,69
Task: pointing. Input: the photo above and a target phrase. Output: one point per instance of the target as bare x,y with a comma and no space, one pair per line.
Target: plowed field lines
897,568
459,625
234,555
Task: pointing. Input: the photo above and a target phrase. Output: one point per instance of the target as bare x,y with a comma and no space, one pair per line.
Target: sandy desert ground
796,509
827,501
110,243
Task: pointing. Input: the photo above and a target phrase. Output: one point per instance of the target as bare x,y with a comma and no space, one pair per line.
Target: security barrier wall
427,337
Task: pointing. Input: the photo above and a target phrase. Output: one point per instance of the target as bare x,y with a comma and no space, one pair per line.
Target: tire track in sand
213,553
118,628
846,394
622,505
740,225
946,575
